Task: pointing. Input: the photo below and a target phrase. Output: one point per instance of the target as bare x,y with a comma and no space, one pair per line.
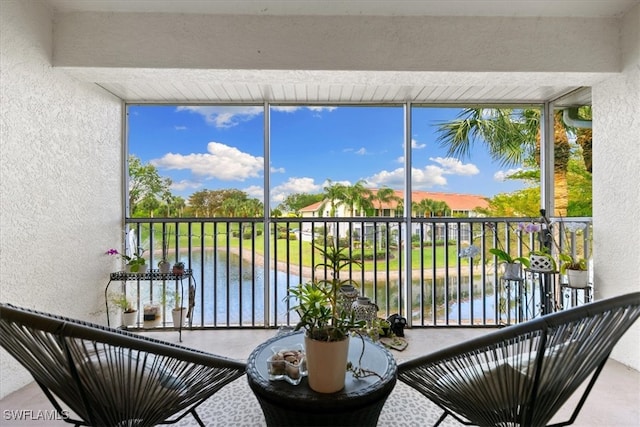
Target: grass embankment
292,251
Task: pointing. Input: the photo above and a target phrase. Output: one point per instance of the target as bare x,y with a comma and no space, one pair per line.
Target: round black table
358,404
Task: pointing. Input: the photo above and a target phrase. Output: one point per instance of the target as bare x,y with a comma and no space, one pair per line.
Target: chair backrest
524,373
108,376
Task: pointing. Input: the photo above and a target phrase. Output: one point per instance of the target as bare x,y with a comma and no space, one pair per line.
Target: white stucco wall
60,178
616,198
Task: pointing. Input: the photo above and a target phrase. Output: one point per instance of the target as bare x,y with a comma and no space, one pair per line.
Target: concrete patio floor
614,401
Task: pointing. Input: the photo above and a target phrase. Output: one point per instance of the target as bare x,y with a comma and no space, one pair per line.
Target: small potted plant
129,313
512,265
326,322
163,265
134,263
178,311
576,270
178,268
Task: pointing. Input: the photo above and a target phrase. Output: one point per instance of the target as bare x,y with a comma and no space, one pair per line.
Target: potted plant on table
326,322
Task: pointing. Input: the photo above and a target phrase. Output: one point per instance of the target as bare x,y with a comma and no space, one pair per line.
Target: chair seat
109,376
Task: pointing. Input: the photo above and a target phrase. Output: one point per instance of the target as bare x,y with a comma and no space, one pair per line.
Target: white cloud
362,151
428,177
255,192
393,179
416,145
294,185
503,175
319,109
277,170
285,108
185,184
221,162
224,117
180,127
453,166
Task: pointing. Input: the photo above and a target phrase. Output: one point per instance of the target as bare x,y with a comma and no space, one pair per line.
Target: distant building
459,205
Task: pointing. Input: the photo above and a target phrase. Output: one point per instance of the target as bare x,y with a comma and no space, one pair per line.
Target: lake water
223,283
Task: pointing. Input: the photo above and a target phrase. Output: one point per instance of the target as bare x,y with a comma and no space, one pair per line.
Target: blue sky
213,147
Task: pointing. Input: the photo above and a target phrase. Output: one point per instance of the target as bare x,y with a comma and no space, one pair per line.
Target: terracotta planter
578,278
326,364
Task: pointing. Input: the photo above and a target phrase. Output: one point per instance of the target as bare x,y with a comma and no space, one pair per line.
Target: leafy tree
211,203
145,184
297,201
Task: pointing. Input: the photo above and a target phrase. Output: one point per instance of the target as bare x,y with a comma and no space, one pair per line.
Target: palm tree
430,207
334,194
513,138
357,197
386,195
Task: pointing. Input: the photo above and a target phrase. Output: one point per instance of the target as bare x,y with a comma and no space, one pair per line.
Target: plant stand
516,293
150,277
544,293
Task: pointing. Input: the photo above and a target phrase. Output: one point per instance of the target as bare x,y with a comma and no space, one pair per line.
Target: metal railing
244,267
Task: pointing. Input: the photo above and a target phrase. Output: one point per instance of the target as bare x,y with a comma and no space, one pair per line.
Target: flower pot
326,364
179,316
512,270
541,263
578,278
142,269
129,318
164,267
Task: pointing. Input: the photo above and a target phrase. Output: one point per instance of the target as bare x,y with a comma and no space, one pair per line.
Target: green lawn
296,249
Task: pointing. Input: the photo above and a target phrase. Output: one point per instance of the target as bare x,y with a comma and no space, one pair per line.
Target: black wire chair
109,377
523,374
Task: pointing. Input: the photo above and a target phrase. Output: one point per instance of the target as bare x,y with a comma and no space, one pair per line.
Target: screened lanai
70,68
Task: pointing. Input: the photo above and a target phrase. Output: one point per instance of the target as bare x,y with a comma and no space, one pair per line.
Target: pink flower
112,252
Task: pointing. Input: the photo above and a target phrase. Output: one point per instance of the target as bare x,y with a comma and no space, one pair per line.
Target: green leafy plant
319,306
134,262
570,262
120,300
505,257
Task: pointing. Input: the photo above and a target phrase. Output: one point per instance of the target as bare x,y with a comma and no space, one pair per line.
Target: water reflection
225,281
